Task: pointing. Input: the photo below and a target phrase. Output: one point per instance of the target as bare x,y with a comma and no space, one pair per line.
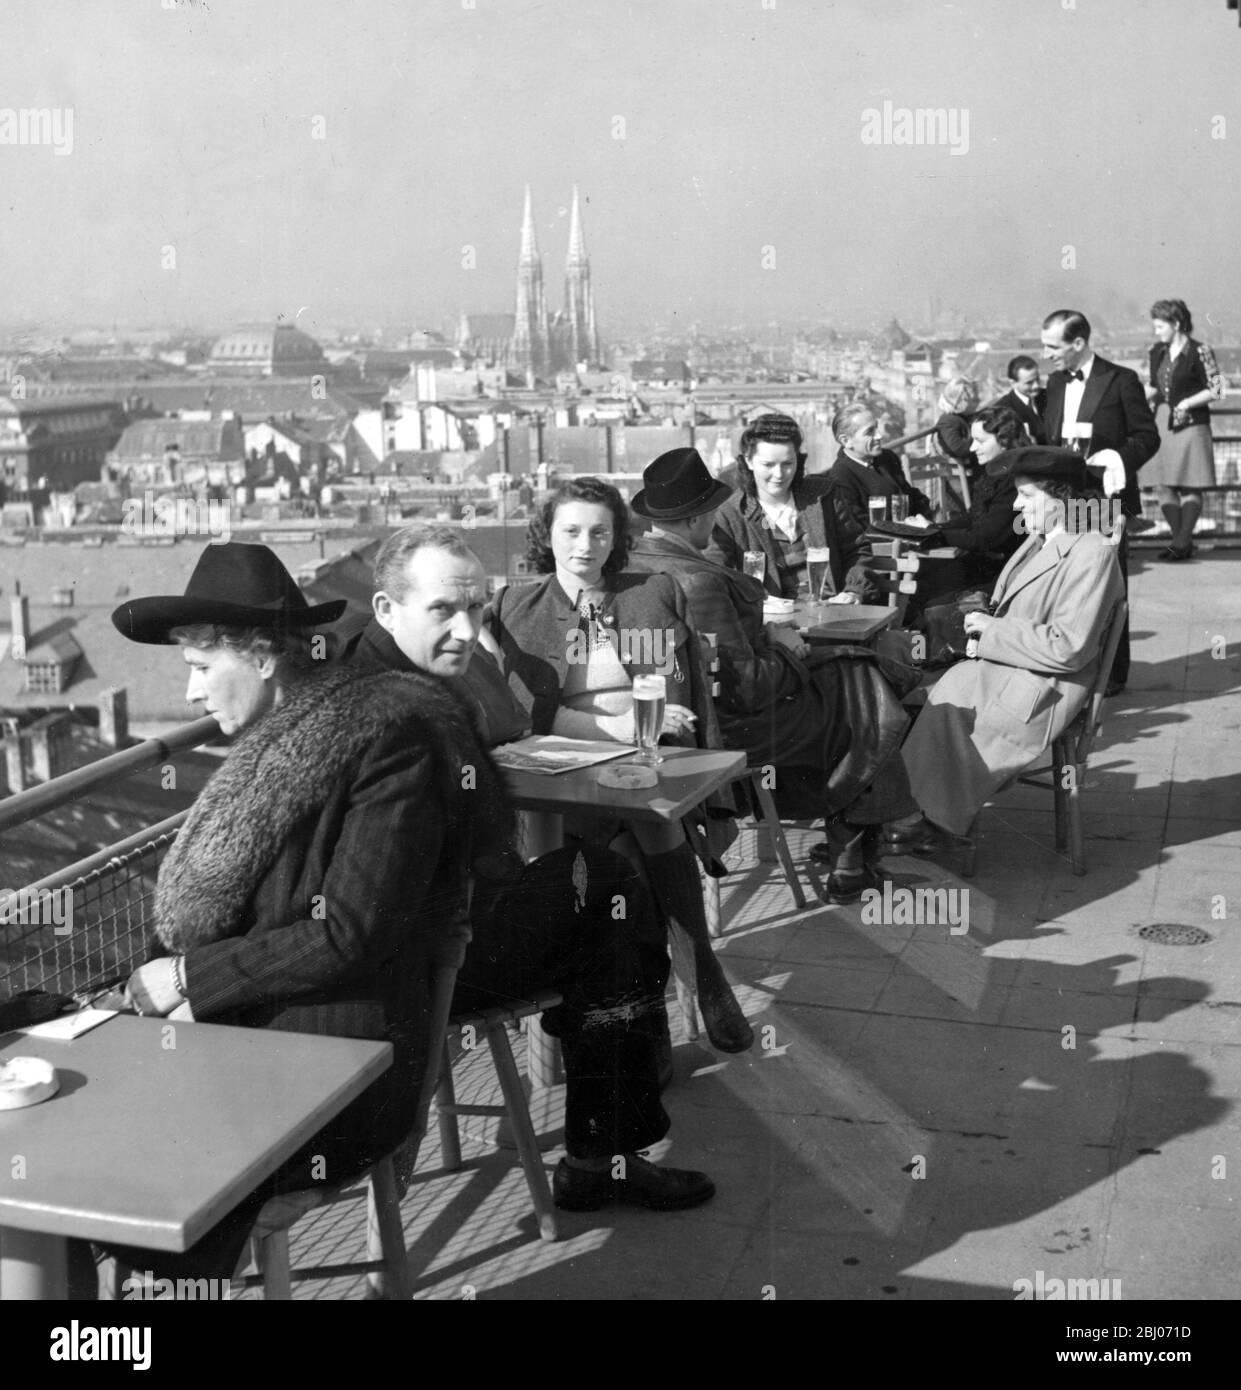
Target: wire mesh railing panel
83,936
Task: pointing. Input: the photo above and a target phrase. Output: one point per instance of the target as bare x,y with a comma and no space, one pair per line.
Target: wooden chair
1070,754
896,573
944,475
386,1182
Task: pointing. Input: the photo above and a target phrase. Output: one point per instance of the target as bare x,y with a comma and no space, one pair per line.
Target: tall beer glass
649,696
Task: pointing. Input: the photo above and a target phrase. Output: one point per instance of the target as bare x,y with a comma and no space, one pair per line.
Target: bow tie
1075,376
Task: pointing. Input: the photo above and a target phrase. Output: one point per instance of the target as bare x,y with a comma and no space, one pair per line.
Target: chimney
15,761
51,744
20,610
114,716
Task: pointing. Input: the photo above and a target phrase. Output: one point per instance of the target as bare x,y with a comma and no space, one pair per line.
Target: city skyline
737,163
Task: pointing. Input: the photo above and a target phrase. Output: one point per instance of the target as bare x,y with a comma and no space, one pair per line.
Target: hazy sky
742,188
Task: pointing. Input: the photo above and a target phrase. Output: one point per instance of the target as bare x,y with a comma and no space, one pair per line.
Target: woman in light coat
1038,649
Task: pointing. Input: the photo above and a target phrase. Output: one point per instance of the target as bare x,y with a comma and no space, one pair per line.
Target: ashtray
26,1081
778,608
628,777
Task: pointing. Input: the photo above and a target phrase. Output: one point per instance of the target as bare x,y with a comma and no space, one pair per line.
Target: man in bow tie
1086,390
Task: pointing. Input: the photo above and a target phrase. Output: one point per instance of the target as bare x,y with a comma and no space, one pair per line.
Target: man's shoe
1113,688
919,838
848,885
644,1185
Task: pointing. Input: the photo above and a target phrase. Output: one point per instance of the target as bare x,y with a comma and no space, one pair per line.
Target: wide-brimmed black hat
678,486
235,585
1043,462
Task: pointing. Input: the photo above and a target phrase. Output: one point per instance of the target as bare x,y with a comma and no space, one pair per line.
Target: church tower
530,337
579,299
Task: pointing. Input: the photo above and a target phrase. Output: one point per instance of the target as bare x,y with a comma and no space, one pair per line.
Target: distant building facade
55,442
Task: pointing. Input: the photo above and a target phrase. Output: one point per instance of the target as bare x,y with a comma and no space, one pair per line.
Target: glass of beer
649,696
818,567
877,507
754,563
1077,436
899,507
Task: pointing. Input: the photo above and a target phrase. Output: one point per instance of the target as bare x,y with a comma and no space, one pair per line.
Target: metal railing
88,925
37,801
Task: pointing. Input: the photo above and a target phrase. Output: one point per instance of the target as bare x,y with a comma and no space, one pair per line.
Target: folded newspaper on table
549,753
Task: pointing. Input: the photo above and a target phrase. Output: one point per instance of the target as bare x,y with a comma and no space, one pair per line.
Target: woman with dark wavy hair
571,647
1184,380
779,512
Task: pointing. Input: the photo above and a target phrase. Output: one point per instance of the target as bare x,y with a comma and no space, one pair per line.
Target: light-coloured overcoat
987,720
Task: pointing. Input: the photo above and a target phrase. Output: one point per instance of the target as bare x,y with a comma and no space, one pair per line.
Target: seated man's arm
1070,639
375,892
753,673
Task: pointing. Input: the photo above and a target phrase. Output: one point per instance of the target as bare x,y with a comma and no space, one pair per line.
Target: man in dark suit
1103,407
552,923
1026,399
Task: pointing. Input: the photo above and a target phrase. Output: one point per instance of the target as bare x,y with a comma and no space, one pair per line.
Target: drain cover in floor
1174,934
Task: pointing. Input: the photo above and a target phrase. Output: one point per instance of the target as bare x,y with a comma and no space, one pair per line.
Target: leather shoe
644,1185
848,885
921,838
727,1028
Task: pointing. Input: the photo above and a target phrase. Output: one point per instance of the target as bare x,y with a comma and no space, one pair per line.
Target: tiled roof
152,439
252,400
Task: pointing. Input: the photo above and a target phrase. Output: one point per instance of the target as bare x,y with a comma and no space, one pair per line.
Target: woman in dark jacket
1184,379
570,648
781,514
282,904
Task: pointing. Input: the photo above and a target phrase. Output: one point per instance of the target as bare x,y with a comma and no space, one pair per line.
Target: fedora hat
235,585
1044,463
678,486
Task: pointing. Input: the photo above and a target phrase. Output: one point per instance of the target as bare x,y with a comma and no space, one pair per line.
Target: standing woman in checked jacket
1184,379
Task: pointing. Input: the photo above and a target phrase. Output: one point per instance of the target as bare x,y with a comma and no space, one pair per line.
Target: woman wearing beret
1184,379
1038,649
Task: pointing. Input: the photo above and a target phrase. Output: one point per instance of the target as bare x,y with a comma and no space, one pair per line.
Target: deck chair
895,570
947,478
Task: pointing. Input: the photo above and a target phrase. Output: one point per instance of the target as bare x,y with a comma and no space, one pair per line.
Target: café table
687,776
157,1132
828,623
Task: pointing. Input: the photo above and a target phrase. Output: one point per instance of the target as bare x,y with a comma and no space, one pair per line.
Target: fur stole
284,769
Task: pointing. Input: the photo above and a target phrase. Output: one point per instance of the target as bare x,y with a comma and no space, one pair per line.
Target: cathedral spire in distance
530,336
581,342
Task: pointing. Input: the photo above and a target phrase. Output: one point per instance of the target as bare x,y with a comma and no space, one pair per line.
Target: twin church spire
542,344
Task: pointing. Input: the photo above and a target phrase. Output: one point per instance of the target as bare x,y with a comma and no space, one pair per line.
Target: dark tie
1075,376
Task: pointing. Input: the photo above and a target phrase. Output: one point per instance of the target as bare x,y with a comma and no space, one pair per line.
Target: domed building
278,350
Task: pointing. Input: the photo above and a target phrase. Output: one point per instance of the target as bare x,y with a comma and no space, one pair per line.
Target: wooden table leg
544,832
33,1265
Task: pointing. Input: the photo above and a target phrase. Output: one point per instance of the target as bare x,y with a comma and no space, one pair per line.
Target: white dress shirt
1108,459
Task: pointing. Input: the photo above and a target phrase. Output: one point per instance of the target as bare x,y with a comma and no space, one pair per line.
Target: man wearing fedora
827,719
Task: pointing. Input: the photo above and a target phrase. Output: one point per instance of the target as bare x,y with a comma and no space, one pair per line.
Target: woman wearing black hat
1038,649
281,904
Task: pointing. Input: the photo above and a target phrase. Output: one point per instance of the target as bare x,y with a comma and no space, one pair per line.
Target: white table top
151,1145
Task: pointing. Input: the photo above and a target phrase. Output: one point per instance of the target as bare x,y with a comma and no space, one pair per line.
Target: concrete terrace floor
915,1124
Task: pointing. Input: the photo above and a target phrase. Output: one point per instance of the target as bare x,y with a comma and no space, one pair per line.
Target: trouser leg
1120,667
579,921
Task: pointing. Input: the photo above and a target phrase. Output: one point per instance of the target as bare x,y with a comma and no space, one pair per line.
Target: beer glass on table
818,567
649,696
899,507
877,509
